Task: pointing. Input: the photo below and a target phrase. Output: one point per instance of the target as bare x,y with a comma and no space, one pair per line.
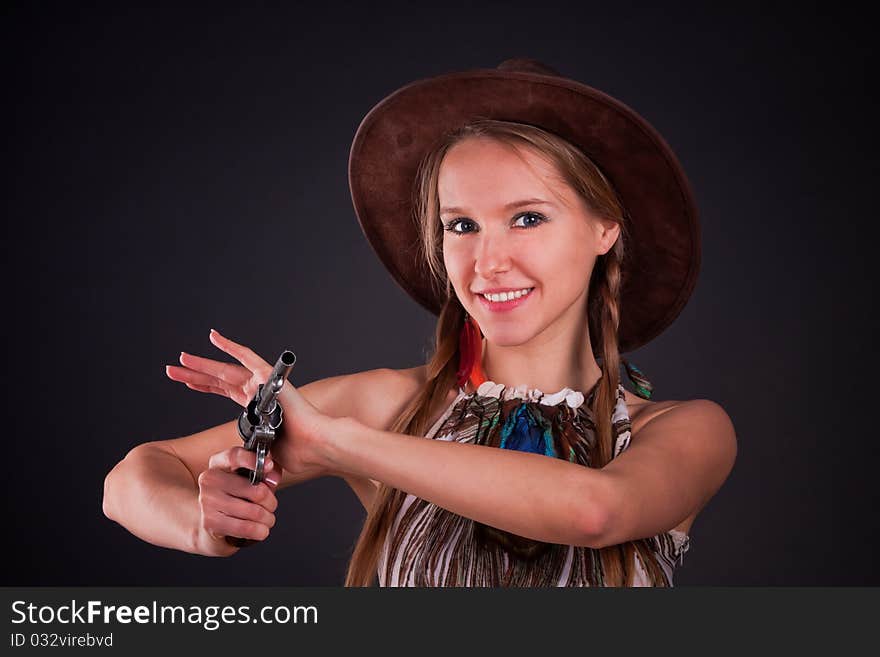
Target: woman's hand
237,382
231,506
298,446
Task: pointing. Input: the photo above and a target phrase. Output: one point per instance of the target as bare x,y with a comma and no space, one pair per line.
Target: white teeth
507,296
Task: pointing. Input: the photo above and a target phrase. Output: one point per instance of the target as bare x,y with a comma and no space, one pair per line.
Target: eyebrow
509,206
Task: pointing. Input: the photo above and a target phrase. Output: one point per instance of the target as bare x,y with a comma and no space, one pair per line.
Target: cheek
564,266
455,258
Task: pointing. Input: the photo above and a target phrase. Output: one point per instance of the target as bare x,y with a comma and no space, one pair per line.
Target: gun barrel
279,373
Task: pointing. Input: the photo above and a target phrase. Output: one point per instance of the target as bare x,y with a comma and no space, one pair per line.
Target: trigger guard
257,475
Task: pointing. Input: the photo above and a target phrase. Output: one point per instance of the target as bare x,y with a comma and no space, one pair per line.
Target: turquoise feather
523,431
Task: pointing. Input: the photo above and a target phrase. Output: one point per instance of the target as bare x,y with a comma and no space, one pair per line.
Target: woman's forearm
530,495
152,494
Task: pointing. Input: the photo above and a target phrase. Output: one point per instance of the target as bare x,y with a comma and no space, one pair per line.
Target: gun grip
237,541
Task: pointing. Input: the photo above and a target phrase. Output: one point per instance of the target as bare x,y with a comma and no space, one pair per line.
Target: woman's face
512,224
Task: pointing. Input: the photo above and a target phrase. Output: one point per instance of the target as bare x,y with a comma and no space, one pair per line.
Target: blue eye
535,215
451,226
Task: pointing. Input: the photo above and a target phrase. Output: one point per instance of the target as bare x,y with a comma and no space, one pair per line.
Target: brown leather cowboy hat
663,251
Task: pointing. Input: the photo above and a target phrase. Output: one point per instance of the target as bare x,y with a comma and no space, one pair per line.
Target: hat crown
526,65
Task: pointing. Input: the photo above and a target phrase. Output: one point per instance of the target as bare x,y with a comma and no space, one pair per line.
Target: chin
508,336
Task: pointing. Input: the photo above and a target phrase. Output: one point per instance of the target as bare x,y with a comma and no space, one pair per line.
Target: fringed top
431,546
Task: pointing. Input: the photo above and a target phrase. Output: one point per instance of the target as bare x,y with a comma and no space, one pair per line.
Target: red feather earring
470,354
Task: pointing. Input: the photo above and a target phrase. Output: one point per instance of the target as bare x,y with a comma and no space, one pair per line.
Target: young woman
551,229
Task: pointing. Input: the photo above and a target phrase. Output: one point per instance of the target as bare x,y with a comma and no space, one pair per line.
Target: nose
492,256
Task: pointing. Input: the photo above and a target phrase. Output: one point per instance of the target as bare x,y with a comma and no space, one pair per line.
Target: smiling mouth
507,296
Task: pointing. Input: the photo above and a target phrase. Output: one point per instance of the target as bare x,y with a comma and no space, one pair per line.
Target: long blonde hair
603,317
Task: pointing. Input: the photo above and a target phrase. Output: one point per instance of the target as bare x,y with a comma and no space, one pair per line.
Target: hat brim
662,257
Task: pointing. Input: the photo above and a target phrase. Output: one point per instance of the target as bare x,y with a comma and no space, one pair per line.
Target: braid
617,560
607,307
441,374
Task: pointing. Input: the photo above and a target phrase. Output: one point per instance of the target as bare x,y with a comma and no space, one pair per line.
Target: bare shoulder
704,412
700,430
388,391
703,419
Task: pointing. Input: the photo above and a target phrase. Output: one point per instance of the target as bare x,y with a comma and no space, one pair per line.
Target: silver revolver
258,423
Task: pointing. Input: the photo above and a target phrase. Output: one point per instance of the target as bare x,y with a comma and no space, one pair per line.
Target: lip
503,306
499,290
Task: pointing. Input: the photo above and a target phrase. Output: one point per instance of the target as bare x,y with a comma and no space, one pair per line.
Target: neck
551,361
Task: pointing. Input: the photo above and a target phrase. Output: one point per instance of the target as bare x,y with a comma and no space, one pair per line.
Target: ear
607,232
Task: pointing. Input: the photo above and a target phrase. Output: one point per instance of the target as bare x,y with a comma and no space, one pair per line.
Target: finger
273,477
184,375
217,486
230,460
237,457
235,507
244,490
220,524
240,353
215,391
212,496
206,383
235,375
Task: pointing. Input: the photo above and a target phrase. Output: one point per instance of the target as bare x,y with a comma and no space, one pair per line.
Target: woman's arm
674,466
377,398
153,492
669,472
154,495
528,494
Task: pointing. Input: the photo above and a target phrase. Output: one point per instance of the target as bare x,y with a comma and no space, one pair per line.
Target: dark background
161,164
